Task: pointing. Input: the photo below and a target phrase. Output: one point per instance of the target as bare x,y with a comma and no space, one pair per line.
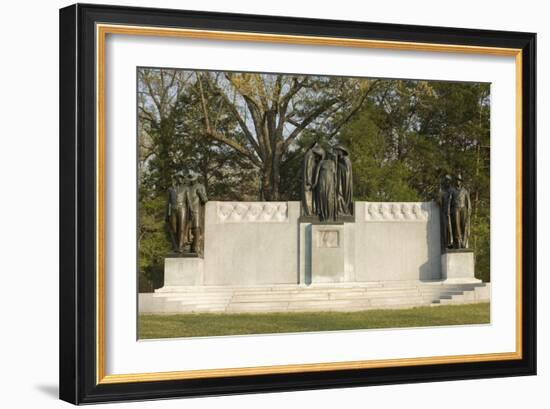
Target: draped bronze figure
344,181
311,160
325,186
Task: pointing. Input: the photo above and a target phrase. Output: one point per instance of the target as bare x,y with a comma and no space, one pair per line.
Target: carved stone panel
397,212
328,238
252,212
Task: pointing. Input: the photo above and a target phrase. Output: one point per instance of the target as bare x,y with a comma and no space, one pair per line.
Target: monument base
327,253
344,297
458,266
183,271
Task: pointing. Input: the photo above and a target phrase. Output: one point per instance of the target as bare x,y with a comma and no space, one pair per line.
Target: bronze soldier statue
461,210
445,197
344,181
177,215
196,199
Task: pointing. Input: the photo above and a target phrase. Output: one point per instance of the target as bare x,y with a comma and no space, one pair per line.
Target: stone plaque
328,238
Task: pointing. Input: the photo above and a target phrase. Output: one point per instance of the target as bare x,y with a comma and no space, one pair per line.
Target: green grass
197,325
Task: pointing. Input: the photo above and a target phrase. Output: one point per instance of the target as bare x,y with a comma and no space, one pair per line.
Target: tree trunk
270,179
276,173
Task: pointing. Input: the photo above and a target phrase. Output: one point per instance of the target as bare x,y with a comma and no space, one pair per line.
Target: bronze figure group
456,209
327,185
327,194
184,215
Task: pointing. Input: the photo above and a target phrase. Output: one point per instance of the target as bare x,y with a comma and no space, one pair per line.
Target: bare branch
232,107
147,81
233,144
309,119
219,136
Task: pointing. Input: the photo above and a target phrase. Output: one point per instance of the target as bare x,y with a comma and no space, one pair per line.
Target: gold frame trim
102,30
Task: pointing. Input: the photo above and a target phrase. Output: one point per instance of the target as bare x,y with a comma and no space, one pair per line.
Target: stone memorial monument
323,244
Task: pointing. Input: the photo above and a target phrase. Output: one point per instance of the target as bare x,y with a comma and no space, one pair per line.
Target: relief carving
328,239
252,212
394,212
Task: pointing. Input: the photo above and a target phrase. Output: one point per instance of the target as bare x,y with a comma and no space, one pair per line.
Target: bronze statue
327,184
344,182
177,216
311,160
445,197
184,214
196,199
325,188
461,210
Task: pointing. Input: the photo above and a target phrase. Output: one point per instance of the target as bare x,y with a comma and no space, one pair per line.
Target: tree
272,111
245,135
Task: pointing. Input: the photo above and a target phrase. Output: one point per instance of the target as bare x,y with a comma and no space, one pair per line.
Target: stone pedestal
307,243
458,266
327,253
180,271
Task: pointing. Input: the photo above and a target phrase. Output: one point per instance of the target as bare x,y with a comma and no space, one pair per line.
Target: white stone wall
256,243
249,243
397,241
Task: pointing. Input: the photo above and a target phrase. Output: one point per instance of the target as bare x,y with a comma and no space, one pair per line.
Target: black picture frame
78,308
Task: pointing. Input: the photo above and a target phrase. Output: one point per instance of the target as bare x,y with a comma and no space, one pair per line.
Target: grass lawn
195,325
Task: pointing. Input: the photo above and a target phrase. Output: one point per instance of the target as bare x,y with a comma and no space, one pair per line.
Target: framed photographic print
257,203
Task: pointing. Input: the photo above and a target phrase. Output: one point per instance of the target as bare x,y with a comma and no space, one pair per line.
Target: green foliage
410,134
153,243
376,178
204,325
402,135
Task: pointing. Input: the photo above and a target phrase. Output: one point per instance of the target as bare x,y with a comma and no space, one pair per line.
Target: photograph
282,203
255,203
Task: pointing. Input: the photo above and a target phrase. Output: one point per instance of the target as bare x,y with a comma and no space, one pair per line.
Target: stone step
203,310
477,293
322,296
204,298
295,293
317,297
173,296
295,287
397,301
192,305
